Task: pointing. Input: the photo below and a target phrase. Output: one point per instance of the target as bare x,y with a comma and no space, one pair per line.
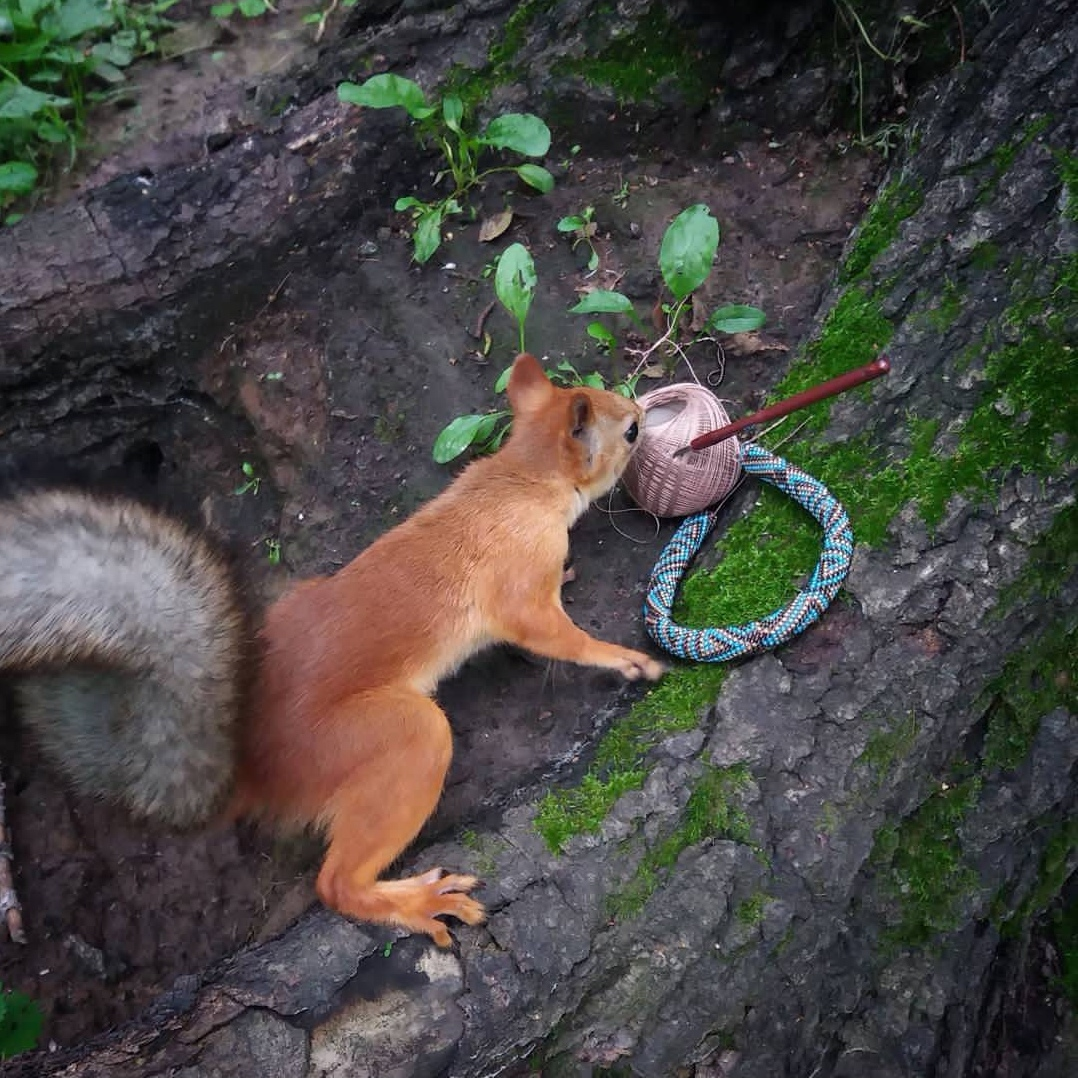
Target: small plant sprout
249,9
450,127
514,284
583,229
685,259
57,58
273,551
485,433
251,482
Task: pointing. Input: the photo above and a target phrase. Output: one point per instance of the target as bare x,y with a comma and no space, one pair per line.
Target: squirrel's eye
632,433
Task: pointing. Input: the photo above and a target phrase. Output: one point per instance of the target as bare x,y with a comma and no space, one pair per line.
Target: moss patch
1022,421
1065,932
1034,682
632,66
885,747
877,231
714,810
923,868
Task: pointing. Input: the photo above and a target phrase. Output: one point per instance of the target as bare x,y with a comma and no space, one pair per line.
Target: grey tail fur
130,641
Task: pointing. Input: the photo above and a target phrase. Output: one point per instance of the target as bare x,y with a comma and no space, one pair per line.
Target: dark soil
356,361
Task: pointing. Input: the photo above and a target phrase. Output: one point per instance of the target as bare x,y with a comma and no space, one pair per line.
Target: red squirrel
132,643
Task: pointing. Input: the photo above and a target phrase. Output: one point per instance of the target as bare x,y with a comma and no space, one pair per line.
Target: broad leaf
111,53
688,250
251,9
461,433
428,234
386,92
17,178
576,223
452,112
601,334
736,318
518,131
515,280
21,102
408,202
536,176
73,18
603,302
503,380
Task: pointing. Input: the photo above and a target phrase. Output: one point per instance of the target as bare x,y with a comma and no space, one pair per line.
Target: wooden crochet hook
830,388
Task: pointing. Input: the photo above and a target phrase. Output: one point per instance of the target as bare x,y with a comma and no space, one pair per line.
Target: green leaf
688,250
251,9
603,302
452,112
408,202
22,102
109,72
736,318
518,131
458,435
386,92
571,224
222,11
503,380
515,280
601,334
593,380
73,18
111,53
17,178
20,1023
311,18
536,176
428,234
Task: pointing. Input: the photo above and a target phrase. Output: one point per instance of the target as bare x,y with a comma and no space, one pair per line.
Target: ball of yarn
670,486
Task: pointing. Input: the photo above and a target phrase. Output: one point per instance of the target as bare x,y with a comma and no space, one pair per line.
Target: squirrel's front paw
635,665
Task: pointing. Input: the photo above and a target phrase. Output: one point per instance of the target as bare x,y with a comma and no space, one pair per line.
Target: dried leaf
746,344
493,227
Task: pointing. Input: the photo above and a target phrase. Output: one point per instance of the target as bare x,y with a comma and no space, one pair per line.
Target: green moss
854,332
575,810
886,747
984,256
946,312
1050,562
1065,932
923,869
1057,864
1003,157
751,911
880,226
1067,165
714,810
475,85
1033,682
1022,421
659,48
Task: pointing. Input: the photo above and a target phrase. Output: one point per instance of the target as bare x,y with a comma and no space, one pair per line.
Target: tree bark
811,983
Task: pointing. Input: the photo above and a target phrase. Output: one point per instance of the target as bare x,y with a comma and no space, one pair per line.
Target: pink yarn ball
670,486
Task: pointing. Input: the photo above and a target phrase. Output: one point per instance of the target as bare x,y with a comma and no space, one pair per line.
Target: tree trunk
902,778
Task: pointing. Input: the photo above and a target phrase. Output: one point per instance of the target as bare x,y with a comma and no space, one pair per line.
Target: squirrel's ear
529,388
579,416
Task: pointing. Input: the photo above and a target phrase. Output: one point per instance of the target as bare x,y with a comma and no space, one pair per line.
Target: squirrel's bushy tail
131,639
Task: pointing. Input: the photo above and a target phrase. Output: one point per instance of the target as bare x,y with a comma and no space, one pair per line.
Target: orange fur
342,731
